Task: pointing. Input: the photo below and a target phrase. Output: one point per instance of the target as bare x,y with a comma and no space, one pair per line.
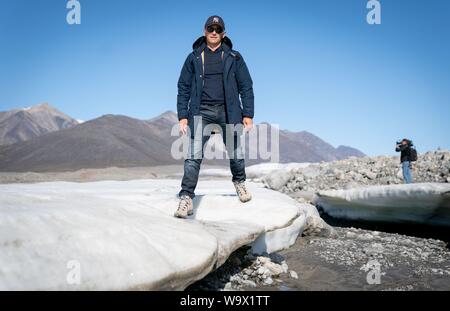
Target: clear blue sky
316,64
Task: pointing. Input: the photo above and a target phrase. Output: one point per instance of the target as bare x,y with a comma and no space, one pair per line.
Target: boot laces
241,189
184,203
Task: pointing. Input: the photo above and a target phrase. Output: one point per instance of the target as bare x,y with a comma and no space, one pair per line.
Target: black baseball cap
215,20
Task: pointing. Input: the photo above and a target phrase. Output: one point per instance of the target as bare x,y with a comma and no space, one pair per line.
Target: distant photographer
408,155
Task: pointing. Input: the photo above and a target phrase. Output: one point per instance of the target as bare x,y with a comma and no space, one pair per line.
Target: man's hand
183,126
248,122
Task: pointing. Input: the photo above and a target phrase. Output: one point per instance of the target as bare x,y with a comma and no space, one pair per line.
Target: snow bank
426,203
263,169
122,235
256,171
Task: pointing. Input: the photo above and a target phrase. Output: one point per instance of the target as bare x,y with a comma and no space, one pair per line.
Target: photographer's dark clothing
405,154
405,159
213,92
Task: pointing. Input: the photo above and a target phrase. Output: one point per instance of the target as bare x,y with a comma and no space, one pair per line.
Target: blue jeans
407,172
211,114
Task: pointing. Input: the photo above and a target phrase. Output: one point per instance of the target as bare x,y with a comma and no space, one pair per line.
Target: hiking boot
185,207
242,192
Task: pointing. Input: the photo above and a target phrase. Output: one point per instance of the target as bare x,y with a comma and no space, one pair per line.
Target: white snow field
114,235
424,203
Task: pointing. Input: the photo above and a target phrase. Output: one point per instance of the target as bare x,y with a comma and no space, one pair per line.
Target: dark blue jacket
405,150
236,80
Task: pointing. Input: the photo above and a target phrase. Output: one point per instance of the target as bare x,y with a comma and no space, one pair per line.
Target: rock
374,249
350,235
371,175
262,260
277,179
339,175
293,274
236,279
365,237
262,270
284,266
249,283
310,171
273,268
248,271
302,200
356,172
316,226
268,281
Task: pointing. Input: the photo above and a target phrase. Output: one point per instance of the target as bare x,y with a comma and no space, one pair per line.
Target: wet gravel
352,259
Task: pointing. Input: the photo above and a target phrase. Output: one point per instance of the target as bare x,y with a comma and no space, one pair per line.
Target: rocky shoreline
350,259
344,257
359,172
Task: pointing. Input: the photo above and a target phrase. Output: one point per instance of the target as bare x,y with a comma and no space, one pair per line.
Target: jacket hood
201,42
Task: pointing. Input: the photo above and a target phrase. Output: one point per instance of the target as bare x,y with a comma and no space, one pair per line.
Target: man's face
404,142
212,34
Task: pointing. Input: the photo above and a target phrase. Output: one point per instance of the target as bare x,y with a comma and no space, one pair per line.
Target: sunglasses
217,28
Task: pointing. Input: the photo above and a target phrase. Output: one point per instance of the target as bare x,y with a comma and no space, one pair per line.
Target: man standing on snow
211,81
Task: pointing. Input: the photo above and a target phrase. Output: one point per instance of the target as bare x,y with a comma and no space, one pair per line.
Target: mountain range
26,123
41,138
